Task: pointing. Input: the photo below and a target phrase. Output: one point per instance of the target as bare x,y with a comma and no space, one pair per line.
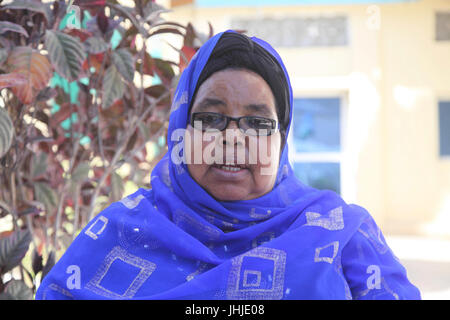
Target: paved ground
427,262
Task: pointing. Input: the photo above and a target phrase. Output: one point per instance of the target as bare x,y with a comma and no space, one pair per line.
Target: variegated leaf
13,248
12,79
66,53
95,45
123,60
34,67
113,87
6,132
36,6
6,26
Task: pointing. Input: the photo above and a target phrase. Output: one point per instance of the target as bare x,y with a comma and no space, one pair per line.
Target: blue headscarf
175,241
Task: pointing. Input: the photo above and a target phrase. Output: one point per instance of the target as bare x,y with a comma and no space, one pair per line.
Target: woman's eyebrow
261,109
206,103
254,108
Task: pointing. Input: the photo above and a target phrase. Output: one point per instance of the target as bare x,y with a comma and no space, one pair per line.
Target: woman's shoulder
328,204
134,199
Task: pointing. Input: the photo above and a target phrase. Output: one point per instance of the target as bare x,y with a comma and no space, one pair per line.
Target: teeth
228,168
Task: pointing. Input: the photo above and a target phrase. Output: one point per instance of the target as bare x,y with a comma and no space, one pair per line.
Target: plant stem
120,148
76,218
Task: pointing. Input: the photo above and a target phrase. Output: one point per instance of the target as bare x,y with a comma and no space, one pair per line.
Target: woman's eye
209,119
260,123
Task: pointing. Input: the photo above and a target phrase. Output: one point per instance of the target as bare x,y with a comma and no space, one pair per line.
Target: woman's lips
230,172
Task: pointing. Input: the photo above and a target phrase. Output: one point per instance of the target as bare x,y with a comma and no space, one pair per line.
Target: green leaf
129,13
45,195
18,290
36,69
95,45
113,87
36,262
49,264
6,132
152,11
66,53
6,26
164,70
13,249
81,172
144,130
123,60
36,6
117,186
4,52
39,164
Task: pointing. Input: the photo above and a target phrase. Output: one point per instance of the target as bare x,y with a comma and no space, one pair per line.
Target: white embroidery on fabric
377,292
319,258
370,231
179,101
118,253
244,282
263,238
55,287
132,203
255,215
333,220
202,268
338,268
181,218
94,235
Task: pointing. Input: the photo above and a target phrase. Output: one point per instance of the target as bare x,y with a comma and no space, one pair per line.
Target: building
371,81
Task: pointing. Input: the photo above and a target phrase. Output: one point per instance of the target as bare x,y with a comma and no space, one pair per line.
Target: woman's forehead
235,88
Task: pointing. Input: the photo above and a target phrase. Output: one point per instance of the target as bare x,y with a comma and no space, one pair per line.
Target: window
315,142
302,31
444,128
442,26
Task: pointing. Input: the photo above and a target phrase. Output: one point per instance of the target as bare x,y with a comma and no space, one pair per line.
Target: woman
226,218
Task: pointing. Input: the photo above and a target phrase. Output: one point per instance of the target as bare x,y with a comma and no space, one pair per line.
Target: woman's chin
230,194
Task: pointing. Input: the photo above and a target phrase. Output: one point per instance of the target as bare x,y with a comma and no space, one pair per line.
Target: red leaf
69,202
81,34
102,21
34,67
185,57
94,7
90,3
12,79
5,234
147,68
95,61
61,115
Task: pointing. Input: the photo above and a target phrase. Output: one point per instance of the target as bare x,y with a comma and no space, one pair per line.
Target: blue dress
175,241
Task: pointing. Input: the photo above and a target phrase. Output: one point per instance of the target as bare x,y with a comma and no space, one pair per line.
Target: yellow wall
391,76
417,75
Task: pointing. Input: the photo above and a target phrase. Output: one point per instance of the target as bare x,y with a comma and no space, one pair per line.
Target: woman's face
234,166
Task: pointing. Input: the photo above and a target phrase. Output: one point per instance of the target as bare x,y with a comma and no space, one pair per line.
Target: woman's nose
232,134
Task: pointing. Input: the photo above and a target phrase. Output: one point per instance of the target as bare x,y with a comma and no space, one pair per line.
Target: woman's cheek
212,148
194,147
268,155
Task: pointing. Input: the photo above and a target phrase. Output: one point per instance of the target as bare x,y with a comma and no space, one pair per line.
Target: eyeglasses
250,125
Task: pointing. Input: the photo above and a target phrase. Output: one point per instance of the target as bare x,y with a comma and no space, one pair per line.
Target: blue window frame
317,125
316,142
444,128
